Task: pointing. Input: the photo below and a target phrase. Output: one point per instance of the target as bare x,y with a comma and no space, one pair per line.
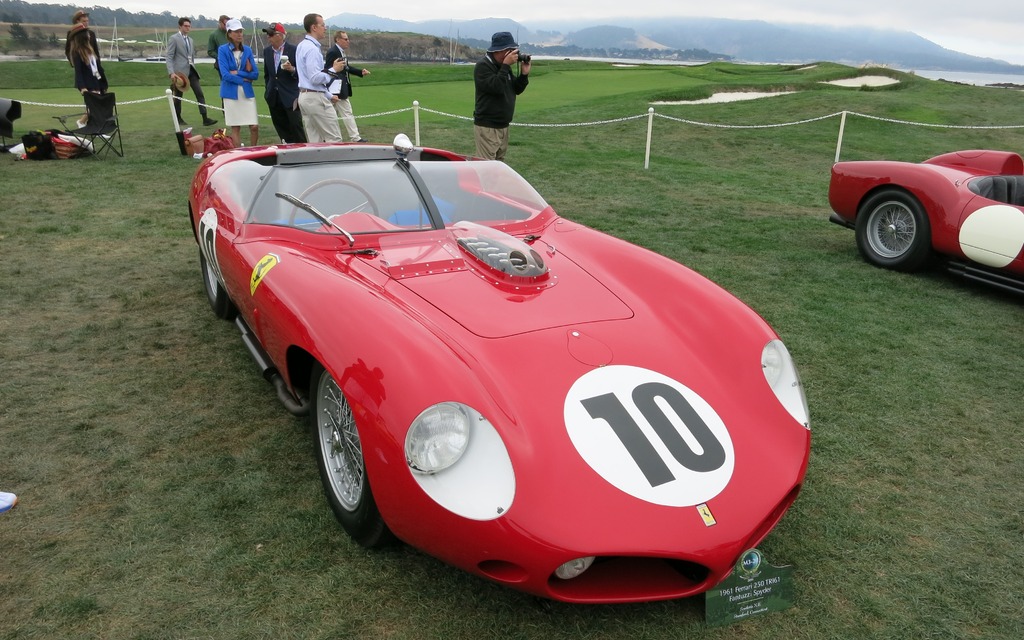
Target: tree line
19,11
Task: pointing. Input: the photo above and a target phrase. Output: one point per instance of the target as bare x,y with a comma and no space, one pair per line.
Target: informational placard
754,588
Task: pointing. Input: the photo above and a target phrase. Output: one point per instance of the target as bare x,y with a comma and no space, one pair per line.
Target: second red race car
523,397
966,206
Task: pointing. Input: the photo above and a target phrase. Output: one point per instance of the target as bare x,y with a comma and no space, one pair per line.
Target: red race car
967,206
521,396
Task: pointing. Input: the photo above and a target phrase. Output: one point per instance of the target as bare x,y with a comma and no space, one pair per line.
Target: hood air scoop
502,258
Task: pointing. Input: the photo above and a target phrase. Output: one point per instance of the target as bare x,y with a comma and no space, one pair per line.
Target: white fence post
650,127
842,128
416,121
174,118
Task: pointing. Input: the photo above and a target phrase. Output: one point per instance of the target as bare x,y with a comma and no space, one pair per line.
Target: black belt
309,91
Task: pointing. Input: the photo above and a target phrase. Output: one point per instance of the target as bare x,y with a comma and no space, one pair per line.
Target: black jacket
346,85
84,76
282,86
496,91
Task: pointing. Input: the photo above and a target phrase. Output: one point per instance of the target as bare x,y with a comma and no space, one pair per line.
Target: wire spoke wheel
893,231
339,456
221,304
339,444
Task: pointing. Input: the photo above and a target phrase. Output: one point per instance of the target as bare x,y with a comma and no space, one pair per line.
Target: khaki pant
344,109
491,143
318,117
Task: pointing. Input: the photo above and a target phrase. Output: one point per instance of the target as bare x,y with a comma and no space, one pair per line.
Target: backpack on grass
38,145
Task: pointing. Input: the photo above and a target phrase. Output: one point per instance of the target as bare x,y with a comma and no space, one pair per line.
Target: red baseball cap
276,27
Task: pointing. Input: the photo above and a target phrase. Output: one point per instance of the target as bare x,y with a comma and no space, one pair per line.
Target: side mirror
403,146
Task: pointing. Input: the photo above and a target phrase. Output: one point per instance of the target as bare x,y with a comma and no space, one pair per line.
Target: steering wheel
316,186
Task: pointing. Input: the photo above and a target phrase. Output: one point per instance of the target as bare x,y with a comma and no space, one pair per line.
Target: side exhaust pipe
296,406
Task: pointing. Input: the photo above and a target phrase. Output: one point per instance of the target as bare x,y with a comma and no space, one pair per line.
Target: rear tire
339,456
221,304
893,231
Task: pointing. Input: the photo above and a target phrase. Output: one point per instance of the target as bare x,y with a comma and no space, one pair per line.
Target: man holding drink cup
282,90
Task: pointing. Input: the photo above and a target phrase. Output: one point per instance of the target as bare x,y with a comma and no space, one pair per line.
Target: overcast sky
989,28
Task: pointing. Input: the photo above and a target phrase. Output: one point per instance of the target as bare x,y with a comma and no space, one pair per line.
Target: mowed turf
166,494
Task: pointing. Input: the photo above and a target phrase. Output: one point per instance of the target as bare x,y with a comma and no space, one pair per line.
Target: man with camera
496,90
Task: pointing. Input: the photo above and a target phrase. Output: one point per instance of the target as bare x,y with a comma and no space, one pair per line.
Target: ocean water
969,77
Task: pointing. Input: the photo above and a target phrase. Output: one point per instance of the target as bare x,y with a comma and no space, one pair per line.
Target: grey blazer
180,58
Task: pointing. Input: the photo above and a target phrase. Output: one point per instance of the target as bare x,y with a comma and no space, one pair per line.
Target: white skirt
241,111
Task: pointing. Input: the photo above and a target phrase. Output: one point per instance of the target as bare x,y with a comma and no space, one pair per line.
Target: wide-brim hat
78,14
179,81
501,41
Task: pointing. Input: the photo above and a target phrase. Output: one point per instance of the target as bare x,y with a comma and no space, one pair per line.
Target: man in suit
342,87
282,92
181,58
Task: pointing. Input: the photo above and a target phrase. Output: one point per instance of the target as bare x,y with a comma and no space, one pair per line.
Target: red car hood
491,304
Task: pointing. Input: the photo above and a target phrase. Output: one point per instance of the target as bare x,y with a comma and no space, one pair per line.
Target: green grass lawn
166,494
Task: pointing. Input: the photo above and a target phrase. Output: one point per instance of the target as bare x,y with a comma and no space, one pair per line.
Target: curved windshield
374,196
479,191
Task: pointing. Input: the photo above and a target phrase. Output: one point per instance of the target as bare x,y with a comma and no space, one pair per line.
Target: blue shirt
310,65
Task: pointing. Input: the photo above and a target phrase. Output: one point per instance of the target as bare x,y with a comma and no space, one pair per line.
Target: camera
524,57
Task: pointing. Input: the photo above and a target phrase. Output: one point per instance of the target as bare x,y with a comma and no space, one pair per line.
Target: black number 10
609,408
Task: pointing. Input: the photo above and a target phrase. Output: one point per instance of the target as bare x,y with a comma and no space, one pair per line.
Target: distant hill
693,39
743,40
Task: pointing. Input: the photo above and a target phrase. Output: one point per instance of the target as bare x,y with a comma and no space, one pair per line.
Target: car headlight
459,459
437,438
780,373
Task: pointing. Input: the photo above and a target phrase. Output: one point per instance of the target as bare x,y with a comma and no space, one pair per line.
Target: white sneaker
7,501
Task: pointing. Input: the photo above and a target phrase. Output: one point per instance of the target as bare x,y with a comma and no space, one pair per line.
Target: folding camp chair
101,130
10,110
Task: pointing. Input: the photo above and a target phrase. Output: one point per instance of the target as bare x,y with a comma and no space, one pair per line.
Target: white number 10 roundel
649,435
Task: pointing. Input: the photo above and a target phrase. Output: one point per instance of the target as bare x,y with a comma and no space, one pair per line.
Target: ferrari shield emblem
706,516
261,270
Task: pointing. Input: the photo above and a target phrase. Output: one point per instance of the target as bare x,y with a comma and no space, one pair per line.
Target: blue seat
418,217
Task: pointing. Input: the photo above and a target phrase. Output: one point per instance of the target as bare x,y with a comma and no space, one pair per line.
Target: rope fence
416,108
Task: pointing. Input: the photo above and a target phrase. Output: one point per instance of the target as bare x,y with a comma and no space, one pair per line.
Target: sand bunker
729,96
735,96
865,81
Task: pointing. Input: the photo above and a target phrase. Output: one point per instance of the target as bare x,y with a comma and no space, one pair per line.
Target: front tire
893,231
221,304
339,456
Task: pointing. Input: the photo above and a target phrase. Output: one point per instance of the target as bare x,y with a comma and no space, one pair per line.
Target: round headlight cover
437,438
782,377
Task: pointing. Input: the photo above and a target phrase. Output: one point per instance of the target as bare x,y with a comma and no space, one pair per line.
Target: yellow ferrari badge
705,514
261,270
